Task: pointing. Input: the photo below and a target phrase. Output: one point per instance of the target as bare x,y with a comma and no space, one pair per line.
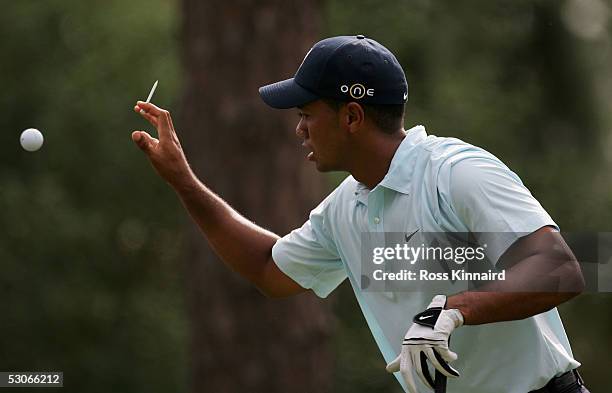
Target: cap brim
286,94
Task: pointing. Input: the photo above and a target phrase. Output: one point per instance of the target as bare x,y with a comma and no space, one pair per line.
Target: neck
373,158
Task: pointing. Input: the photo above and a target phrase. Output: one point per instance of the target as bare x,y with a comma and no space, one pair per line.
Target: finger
172,129
150,108
159,118
394,366
439,364
171,123
447,354
165,129
406,367
139,109
419,360
150,118
144,141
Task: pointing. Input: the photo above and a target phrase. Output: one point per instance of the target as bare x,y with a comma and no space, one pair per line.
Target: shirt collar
400,172
361,193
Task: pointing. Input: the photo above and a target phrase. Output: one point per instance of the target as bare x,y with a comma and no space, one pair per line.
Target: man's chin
321,167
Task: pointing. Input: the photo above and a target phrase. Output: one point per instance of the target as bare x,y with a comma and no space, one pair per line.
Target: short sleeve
308,255
494,204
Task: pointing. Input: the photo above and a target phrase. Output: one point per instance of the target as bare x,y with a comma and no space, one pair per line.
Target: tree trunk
250,156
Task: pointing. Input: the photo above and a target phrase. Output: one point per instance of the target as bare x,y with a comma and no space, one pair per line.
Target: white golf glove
427,339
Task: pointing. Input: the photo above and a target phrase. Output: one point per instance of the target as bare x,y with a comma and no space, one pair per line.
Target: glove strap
430,316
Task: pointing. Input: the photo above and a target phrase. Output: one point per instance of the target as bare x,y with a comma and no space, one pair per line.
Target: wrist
460,302
456,316
439,308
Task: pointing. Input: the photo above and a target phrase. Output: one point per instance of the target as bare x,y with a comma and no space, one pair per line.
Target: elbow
272,292
575,282
281,292
578,279
266,290
580,285
274,284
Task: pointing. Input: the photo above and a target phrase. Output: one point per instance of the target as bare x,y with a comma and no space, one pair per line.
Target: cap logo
357,91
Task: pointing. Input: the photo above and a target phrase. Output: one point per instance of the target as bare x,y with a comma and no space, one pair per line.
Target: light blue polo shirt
434,184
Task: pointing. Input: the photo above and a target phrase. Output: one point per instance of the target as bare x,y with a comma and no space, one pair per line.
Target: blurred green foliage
90,237
530,82
91,240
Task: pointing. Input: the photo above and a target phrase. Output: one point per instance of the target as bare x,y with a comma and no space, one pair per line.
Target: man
351,92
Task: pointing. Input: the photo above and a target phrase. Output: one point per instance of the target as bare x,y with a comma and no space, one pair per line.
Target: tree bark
249,155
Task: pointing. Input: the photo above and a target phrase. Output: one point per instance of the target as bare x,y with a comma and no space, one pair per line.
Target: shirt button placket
375,206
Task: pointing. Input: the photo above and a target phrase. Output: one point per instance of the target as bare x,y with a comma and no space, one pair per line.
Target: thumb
144,141
394,366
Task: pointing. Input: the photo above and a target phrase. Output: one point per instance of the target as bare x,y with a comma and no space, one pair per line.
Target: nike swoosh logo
425,317
408,237
405,95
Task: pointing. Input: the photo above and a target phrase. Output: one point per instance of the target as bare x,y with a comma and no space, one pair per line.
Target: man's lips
310,156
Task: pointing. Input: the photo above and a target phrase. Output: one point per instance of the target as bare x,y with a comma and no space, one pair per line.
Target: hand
166,154
427,339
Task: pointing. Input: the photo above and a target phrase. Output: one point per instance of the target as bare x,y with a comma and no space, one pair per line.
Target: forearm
541,273
488,307
242,245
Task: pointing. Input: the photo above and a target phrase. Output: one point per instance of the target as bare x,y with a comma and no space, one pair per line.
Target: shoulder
476,174
445,154
467,177
319,226
461,166
448,152
488,196
452,165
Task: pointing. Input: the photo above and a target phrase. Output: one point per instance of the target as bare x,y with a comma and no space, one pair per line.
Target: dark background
93,246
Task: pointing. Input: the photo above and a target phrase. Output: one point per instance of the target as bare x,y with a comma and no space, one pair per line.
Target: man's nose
299,129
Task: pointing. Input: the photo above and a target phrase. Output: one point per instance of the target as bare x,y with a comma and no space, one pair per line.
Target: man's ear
354,116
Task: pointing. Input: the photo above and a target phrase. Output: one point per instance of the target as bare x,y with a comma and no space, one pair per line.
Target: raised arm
242,245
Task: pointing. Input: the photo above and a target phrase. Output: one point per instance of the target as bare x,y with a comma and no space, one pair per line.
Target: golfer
350,92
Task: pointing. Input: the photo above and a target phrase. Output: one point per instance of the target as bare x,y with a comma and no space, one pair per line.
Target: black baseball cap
344,68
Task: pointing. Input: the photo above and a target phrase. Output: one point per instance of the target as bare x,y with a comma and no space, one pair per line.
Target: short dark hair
388,118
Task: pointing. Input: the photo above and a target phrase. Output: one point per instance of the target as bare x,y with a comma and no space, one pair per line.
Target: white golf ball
31,139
